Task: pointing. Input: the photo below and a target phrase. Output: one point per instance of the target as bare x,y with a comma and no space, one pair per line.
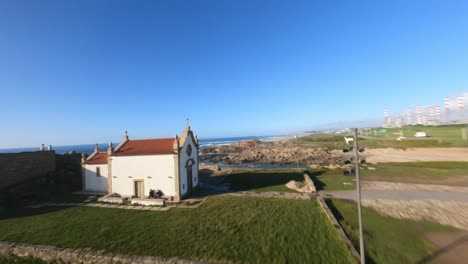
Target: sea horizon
89,148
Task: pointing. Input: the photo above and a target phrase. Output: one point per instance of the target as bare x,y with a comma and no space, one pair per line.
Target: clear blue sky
76,72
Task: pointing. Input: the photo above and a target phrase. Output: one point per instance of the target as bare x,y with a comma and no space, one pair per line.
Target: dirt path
416,154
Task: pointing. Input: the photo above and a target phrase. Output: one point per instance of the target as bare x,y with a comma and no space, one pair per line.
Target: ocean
88,148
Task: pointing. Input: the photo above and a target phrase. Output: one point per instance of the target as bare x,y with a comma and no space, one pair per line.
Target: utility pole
349,171
358,188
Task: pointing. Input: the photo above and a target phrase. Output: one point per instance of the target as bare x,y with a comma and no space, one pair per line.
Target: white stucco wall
95,183
183,161
159,167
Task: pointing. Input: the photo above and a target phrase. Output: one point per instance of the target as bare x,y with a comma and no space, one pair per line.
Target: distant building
420,134
136,166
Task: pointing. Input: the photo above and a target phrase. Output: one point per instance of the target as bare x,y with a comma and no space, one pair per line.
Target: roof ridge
146,146
151,138
98,158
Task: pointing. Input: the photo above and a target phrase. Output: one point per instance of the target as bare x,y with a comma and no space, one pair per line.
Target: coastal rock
255,151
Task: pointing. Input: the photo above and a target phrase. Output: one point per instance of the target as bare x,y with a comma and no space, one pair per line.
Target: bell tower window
189,150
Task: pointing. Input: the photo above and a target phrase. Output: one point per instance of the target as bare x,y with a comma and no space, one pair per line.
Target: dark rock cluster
280,152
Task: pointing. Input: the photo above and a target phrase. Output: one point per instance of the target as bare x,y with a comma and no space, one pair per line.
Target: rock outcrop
280,152
304,187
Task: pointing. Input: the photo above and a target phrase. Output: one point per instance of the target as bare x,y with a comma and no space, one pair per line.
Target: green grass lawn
240,229
334,180
439,136
387,239
416,171
263,180
331,141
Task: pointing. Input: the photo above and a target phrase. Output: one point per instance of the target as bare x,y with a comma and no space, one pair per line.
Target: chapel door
138,189
189,178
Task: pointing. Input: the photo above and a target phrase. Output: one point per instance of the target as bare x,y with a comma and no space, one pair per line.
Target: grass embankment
263,180
387,239
443,172
438,137
248,230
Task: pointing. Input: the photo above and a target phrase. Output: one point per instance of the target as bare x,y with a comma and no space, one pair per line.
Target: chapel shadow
249,180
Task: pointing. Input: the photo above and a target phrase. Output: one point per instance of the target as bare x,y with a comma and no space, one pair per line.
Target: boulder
294,185
304,187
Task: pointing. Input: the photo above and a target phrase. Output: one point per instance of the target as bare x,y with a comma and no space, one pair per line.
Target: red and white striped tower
447,109
409,114
418,115
385,113
437,113
431,113
461,107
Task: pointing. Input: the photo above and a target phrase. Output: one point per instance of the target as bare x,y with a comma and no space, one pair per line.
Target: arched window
189,150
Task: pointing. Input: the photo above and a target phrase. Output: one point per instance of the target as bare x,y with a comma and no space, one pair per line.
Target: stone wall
16,168
338,228
85,256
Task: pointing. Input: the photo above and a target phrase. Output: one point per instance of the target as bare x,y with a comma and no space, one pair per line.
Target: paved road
405,195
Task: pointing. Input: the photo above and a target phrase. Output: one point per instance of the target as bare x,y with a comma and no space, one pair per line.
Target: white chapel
136,166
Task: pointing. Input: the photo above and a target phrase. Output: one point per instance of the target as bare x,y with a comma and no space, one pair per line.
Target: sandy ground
416,154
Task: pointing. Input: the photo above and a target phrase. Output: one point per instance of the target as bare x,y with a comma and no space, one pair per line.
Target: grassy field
248,230
416,171
334,180
263,180
410,172
445,131
438,136
388,240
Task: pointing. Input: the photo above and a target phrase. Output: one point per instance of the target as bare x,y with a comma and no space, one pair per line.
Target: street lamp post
358,188
356,151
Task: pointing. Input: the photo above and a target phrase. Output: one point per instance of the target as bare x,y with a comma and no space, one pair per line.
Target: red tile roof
146,147
99,158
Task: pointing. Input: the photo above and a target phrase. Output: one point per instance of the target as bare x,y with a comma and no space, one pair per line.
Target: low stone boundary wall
157,202
338,228
281,195
84,256
111,199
